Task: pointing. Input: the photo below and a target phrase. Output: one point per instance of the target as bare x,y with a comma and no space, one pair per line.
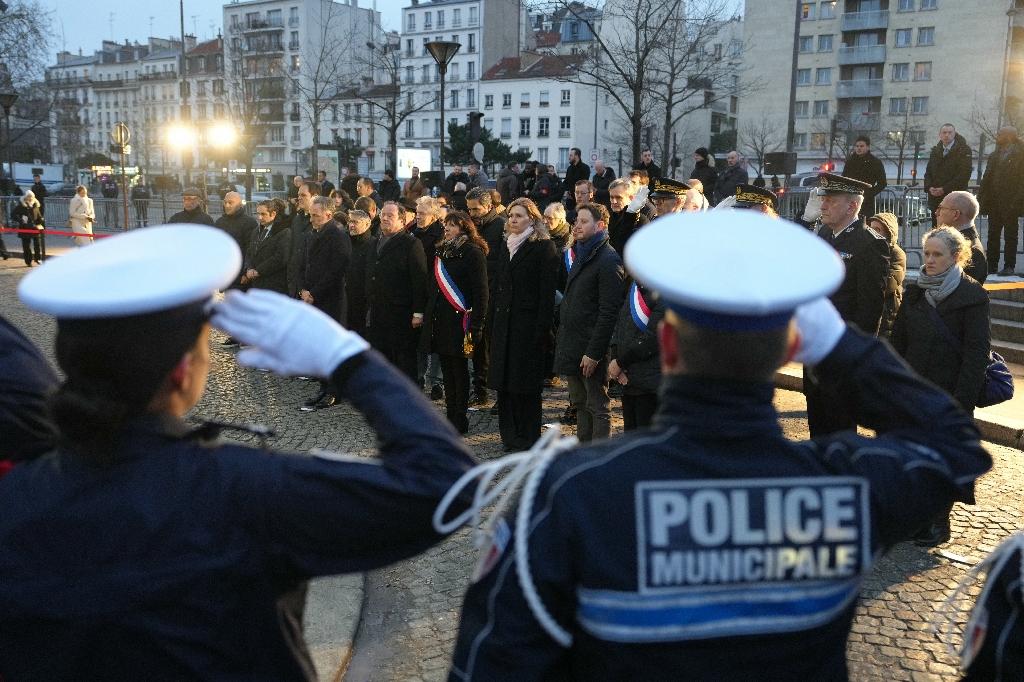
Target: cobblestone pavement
410,610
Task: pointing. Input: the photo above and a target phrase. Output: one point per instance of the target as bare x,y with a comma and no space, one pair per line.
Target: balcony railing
293,22
866,54
565,133
159,76
263,24
857,122
864,21
863,87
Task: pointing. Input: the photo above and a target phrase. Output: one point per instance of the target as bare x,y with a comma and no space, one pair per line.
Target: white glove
812,211
725,204
820,329
639,200
288,337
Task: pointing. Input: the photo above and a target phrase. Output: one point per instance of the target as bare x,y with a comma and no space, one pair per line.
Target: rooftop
532,65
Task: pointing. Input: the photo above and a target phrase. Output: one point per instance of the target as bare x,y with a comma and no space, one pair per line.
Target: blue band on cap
725,322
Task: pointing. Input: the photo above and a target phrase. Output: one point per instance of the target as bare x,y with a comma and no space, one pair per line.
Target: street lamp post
7,99
443,52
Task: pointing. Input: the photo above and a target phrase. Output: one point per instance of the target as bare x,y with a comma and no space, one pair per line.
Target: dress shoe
311,405
230,341
1007,272
480,399
327,400
437,392
934,535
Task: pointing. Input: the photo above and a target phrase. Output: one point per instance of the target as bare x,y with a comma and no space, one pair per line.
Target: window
408,48
472,43
905,6
437,127
825,43
410,129
820,108
471,98
563,157
806,43
428,21
919,106
426,73
543,103
293,41
277,134
542,155
506,100
827,10
807,11
456,18
472,16
425,128
524,99
440,18
506,125
471,71
803,76
489,123
276,155
819,140
426,52
897,105
801,109
566,98
410,22
296,134
488,101
542,127
564,126
901,72
923,71
929,4
926,35
823,76
455,99
410,75
524,127
903,37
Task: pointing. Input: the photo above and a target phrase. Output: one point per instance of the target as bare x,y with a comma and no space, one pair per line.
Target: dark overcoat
1000,192
328,253
865,253
269,257
951,172
355,286
522,309
635,349
442,325
396,282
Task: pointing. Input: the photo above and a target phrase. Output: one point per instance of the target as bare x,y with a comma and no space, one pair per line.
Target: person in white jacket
81,215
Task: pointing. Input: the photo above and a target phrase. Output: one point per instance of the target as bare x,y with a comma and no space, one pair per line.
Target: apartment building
283,59
487,30
894,70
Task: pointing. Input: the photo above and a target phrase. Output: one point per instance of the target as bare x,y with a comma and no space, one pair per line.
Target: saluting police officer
860,299
137,550
709,546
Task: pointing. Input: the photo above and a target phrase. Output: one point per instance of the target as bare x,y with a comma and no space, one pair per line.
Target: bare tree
380,91
761,135
902,134
26,28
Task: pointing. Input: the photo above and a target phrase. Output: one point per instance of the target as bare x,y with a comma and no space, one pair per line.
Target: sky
85,23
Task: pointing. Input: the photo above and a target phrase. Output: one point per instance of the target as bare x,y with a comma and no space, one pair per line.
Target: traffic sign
120,134
593,155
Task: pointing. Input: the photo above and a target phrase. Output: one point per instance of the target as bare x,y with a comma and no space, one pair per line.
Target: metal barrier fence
910,205
110,212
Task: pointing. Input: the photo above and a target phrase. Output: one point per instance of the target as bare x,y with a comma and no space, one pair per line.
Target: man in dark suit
322,278
235,222
866,167
959,209
574,172
326,186
300,233
396,279
1000,199
266,259
363,243
949,167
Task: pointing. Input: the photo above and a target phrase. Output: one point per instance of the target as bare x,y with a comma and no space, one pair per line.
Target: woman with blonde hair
942,331
81,215
521,315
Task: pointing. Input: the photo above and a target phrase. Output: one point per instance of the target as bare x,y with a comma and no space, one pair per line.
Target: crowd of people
591,280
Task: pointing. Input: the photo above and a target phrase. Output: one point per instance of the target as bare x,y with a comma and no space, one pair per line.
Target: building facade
894,70
487,30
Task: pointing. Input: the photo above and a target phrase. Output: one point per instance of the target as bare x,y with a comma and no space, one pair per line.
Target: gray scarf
938,287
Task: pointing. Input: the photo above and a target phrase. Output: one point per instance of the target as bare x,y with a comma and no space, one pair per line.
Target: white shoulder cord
944,619
529,466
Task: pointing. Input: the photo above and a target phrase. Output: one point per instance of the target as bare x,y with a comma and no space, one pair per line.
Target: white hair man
959,209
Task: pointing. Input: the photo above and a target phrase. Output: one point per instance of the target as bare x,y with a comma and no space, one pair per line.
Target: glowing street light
222,134
181,136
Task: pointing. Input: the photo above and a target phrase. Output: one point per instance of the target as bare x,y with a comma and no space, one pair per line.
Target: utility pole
791,123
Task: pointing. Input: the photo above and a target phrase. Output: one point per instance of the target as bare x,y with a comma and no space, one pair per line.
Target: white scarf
514,241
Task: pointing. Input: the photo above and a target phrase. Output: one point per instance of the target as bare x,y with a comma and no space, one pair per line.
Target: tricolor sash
569,255
638,308
451,292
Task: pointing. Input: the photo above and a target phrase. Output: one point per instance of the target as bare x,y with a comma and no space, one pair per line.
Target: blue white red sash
638,308
569,255
451,292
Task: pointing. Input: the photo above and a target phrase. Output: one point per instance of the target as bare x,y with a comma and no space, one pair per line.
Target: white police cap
733,270
142,271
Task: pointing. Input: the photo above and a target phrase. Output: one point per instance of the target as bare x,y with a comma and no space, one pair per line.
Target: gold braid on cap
670,189
754,198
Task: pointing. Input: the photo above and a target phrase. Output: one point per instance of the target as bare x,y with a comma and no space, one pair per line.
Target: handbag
998,385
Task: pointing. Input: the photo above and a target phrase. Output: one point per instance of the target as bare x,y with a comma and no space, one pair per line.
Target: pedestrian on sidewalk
142,546
942,330
81,216
28,218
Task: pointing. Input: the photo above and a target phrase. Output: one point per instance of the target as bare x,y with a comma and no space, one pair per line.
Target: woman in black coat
635,361
458,277
522,309
942,330
28,215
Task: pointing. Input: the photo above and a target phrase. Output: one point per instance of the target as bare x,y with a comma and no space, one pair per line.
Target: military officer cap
830,183
749,196
666,188
774,266
146,289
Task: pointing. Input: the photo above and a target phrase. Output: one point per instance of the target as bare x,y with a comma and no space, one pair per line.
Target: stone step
1011,352
1006,310
1006,330
1015,294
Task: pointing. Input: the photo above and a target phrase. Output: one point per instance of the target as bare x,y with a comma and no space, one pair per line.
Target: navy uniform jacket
176,562
860,299
710,547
